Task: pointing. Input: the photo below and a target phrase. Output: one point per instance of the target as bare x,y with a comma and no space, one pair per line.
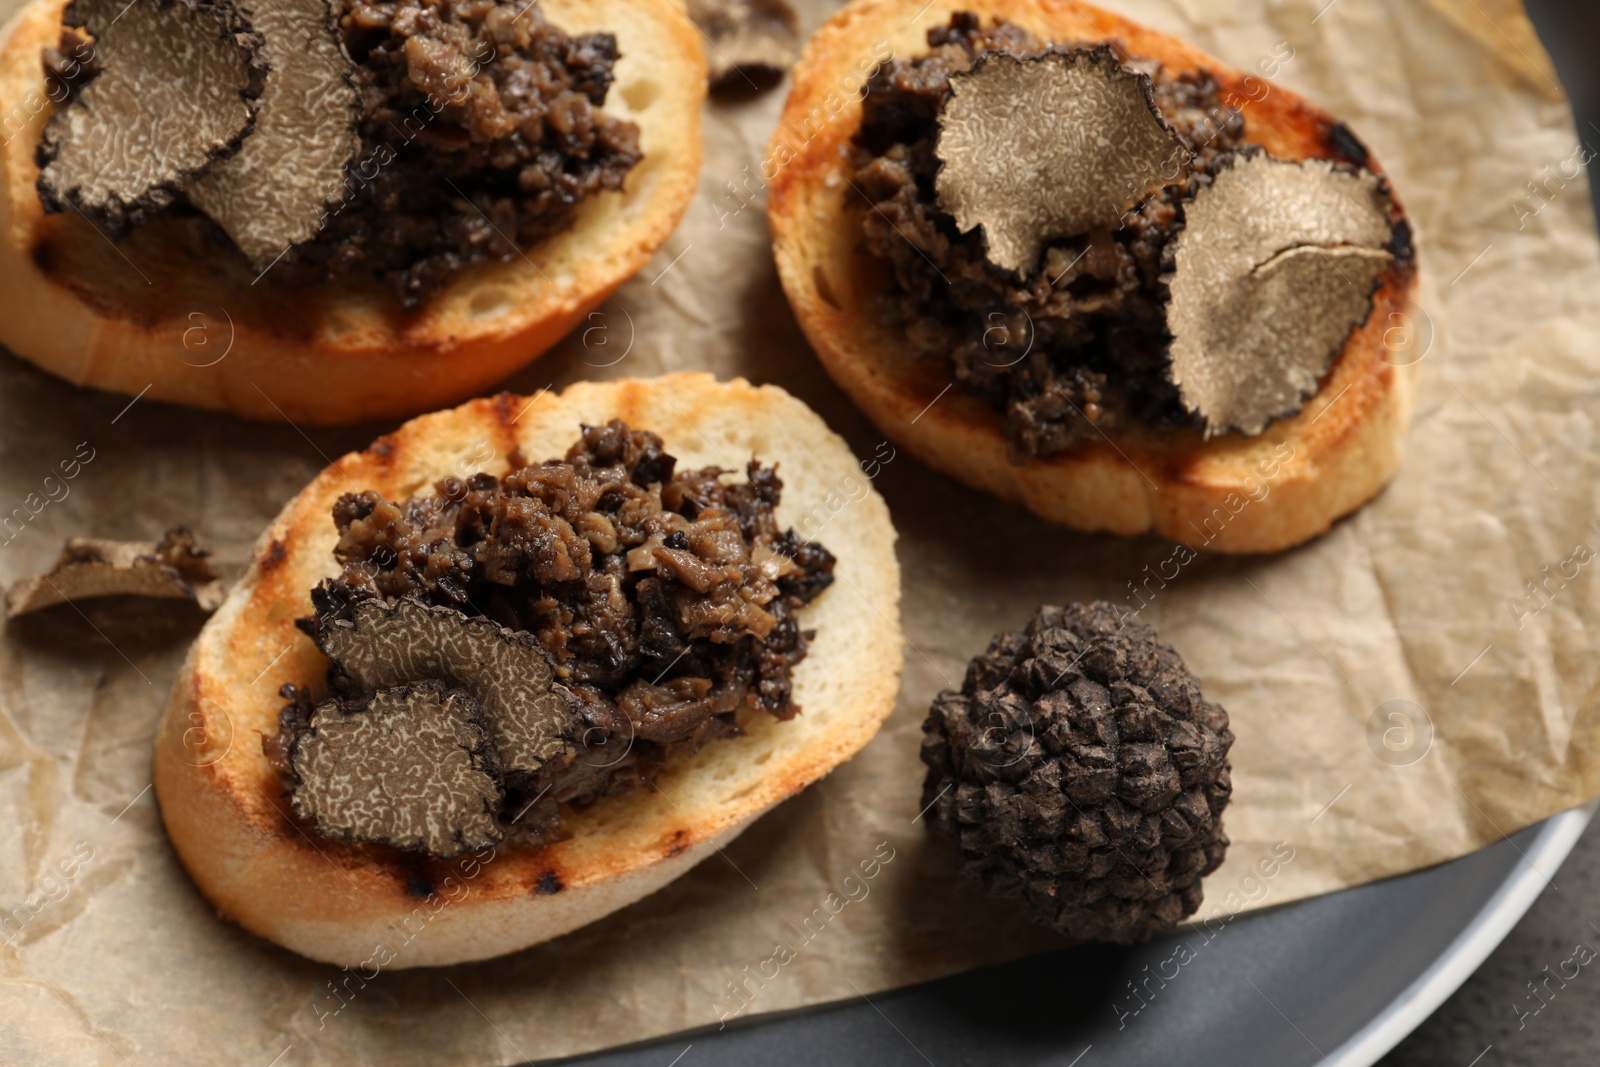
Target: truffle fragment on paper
1276,264
274,192
1049,146
173,568
411,766
176,91
1080,770
532,717
748,42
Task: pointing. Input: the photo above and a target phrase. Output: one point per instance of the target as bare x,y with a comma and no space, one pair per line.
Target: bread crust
147,314
339,902
1228,494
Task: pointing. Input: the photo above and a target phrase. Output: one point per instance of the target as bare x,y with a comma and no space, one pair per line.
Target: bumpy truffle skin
1080,770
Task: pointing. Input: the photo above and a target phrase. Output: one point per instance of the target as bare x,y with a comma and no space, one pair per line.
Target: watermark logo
849,489
1399,732
53,489
53,887
1006,341
597,340
1541,592
208,337
853,888
206,738
1539,992
1408,337
1253,888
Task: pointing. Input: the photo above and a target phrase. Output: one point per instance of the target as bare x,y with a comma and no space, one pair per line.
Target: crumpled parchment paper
1401,693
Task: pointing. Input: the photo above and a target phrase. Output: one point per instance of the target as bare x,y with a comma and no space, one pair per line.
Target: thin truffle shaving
176,89
401,142
481,133
1276,264
374,646
174,568
1048,146
410,766
273,192
665,600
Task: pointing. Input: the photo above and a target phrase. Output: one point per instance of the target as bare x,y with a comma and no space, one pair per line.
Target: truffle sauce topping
474,127
1079,343
482,131
1091,243
664,599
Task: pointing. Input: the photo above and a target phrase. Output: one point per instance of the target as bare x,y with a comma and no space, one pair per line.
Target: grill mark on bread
502,405
1402,247
277,552
506,408
39,252
1345,145
418,884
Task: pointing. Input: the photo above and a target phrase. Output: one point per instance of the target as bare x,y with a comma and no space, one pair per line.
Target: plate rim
1557,837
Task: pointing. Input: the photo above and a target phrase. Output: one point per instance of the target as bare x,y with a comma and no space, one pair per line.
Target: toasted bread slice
332,901
1228,494
147,313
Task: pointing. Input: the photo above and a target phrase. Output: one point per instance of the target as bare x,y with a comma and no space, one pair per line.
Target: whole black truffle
1080,770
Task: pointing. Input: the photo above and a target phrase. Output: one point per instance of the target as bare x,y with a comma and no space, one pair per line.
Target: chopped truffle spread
1080,770
68,64
491,116
480,130
665,601
1074,348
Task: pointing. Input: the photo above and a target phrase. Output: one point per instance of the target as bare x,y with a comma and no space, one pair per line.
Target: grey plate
1337,980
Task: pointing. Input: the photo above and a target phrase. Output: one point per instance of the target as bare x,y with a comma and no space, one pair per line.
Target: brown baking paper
1400,695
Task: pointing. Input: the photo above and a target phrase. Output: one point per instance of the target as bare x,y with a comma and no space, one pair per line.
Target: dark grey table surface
1496,1018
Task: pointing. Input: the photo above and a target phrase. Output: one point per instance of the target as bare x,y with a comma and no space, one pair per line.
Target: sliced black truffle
411,766
1048,146
1080,771
88,567
532,717
177,90
274,191
1276,263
